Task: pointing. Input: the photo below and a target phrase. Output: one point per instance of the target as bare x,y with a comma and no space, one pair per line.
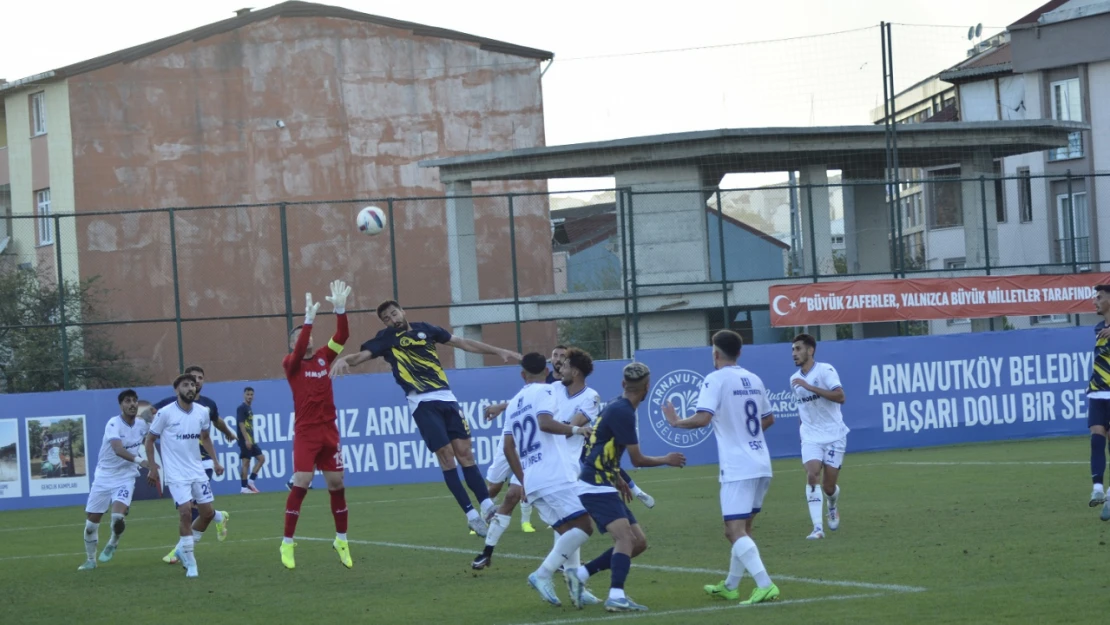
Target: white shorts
740,499
498,470
200,492
101,496
558,506
830,454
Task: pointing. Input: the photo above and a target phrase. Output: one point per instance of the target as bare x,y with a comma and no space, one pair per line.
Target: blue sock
254,476
621,565
476,483
627,478
454,484
243,482
600,563
196,513
1098,457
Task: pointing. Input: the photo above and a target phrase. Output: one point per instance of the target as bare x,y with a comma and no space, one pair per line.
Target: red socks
293,509
339,509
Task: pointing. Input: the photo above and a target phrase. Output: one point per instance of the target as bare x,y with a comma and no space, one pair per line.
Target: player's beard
189,396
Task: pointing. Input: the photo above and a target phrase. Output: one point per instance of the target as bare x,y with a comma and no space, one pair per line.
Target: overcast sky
621,68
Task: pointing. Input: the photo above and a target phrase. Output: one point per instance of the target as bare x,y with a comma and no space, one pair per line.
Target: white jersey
587,402
543,456
110,468
821,419
737,400
180,432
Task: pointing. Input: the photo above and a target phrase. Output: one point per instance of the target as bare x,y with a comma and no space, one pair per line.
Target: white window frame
38,114
45,217
1071,93
1082,228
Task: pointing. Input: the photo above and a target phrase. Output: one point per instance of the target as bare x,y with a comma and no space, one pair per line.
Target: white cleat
817,534
834,517
478,526
1097,498
245,491
1105,513
191,571
646,499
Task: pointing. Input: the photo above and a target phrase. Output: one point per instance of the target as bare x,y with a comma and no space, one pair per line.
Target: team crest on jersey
421,336
681,388
321,361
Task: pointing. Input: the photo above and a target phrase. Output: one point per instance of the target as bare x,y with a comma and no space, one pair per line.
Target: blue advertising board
901,393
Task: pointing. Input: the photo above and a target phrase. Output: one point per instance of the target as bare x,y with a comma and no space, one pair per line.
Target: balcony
1074,148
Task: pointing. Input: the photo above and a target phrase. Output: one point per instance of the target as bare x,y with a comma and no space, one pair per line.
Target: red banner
859,301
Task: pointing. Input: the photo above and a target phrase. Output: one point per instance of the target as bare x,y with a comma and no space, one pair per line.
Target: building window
945,198
1067,105
999,194
1073,241
1040,319
955,264
1025,194
46,222
38,113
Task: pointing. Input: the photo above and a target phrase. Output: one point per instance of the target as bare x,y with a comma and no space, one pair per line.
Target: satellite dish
970,33
979,30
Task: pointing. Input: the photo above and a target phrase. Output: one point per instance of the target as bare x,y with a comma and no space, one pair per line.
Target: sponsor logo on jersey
681,388
315,374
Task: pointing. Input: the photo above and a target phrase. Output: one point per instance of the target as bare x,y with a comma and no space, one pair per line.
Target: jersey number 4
525,434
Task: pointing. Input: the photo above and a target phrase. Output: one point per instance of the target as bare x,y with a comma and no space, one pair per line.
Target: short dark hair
559,346
728,343
194,369
581,360
183,378
534,363
248,389
805,339
1102,288
635,371
125,394
386,305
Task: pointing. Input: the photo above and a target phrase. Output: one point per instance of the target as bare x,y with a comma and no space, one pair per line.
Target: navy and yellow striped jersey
244,422
412,354
1100,371
614,430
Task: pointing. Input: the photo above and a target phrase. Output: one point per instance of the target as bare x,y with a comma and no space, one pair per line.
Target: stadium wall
902,393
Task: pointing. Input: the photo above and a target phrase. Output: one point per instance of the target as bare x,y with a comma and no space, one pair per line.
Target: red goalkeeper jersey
313,400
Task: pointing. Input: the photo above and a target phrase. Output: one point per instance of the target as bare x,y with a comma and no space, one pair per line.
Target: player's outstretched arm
493,410
478,347
342,366
700,419
148,443
673,459
338,300
119,450
222,426
550,425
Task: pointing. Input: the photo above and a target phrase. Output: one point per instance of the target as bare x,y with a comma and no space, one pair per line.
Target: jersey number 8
752,412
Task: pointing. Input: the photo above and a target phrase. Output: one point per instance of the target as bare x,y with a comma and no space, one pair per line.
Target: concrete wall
1061,44
196,125
1098,75
18,115
747,256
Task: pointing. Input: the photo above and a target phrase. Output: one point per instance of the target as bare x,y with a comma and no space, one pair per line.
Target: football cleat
287,555
817,534
720,590
87,566
527,528
546,588
834,517
171,557
478,526
221,527
344,552
760,595
481,561
575,587
623,604
646,499
1097,498
109,551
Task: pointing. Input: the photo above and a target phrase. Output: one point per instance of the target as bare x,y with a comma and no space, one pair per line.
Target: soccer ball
371,220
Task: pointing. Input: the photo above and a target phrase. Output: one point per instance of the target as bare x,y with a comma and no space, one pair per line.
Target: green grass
1007,540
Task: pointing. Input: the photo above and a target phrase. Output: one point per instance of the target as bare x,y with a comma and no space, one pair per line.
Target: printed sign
56,456
10,476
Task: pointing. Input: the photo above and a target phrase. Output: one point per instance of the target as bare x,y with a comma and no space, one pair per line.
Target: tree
32,358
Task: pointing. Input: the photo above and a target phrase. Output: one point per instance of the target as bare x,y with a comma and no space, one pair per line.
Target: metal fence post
393,250
812,231
516,286
286,281
632,271
724,265
177,294
1071,228
986,231
61,301
622,199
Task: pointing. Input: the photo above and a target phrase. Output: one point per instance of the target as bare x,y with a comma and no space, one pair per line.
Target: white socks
486,505
747,553
497,527
525,512
117,521
833,497
92,535
814,497
636,490
219,518
574,560
570,541
185,547
342,536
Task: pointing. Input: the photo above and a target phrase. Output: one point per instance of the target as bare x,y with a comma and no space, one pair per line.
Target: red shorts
317,448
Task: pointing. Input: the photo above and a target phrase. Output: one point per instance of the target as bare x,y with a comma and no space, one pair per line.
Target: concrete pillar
462,257
980,226
816,229
867,237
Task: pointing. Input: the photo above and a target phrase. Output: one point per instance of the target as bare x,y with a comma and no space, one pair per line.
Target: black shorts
1098,412
606,508
440,422
249,452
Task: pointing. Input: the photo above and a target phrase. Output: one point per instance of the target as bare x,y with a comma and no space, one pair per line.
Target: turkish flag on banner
859,301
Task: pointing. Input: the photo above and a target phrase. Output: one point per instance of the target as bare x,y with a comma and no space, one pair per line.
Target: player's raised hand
493,410
338,297
676,459
1104,333
670,413
508,356
310,309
